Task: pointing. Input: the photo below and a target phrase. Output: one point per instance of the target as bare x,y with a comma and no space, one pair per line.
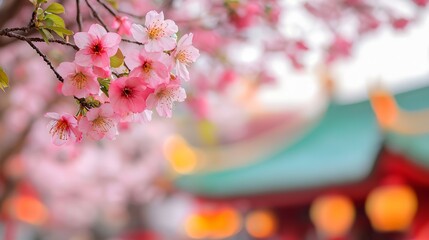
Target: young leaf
55,8
57,20
60,30
4,80
104,85
46,35
117,60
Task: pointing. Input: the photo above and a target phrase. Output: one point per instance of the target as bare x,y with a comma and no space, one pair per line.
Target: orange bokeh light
333,215
261,224
215,224
181,156
392,207
28,209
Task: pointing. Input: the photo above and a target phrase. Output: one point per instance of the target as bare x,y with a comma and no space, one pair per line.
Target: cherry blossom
152,66
184,54
96,46
163,98
63,128
78,81
122,24
157,34
128,94
99,123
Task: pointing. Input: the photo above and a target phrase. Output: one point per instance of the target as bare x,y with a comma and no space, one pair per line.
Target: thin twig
131,41
107,8
78,16
131,14
61,79
36,39
96,16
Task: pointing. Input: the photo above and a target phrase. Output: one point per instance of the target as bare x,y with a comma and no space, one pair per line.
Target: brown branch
96,16
131,14
78,16
61,79
36,39
131,41
107,8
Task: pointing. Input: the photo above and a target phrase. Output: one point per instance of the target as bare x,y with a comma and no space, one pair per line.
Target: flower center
147,67
102,124
97,48
79,80
126,92
182,56
155,32
61,129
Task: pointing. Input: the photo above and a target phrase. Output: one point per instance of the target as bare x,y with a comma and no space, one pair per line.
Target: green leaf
46,35
117,60
55,8
59,30
4,80
104,85
57,20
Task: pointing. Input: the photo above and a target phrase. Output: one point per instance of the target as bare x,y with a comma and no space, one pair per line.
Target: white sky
400,60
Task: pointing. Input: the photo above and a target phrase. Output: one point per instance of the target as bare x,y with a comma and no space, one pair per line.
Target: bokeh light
261,224
333,215
391,207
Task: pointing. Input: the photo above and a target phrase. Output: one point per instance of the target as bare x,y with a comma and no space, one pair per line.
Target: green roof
341,148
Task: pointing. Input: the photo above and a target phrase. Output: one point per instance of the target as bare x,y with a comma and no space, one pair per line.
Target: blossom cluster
151,79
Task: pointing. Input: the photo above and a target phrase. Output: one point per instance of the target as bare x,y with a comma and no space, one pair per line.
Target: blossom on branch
157,34
96,46
163,98
128,94
99,123
78,81
152,66
185,54
63,128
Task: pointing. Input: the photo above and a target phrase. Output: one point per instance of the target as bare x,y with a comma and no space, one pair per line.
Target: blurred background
305,119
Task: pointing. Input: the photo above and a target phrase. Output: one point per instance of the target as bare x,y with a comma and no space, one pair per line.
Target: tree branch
61,79
78,16
96,16
35,39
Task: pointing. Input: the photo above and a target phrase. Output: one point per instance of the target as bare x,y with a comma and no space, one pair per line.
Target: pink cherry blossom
103,72
157,33
122,24
128,94
99,123
163,98
184,54
63,128
96,46
152,66
78,81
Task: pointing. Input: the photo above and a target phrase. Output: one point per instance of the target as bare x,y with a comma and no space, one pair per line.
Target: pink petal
101,60
52,115
97,30
182,71
167,43
83,58
139,33
111,40
171,27
82,39
153,16
66,68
